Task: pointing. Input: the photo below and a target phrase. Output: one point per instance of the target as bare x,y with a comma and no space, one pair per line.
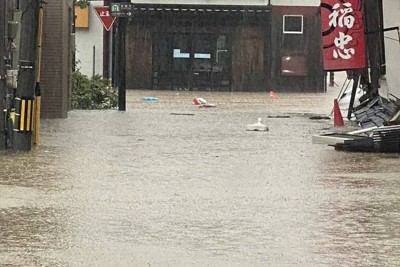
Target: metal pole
2,73
74,44
105,53
114,50
110,54
106,49
121,65
94,61
356,83
26,74
38,93
382,39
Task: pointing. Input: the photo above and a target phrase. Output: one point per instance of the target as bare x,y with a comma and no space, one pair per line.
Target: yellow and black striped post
24,115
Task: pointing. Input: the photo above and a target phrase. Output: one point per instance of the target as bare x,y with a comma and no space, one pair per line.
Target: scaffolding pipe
38,93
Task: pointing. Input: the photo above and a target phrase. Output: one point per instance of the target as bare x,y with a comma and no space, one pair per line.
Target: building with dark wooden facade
224,48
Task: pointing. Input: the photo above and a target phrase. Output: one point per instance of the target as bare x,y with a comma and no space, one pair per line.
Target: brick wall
56,59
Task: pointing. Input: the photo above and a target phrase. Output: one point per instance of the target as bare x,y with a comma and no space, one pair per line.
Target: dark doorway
191,61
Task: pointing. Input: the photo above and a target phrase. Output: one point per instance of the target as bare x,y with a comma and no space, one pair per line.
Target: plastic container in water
150,99
202,103
257,126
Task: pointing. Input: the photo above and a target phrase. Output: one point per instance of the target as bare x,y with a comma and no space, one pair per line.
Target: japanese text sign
104,15
343,37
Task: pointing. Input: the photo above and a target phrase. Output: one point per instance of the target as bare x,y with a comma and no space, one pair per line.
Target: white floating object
257,126
202,100
202,103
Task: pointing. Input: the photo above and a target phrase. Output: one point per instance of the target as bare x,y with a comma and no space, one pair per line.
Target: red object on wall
343,37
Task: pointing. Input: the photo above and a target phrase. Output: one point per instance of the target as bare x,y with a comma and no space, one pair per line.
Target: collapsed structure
353,40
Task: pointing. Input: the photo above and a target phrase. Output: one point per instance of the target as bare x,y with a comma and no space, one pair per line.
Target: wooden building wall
304,51
258,52
139,44
248,58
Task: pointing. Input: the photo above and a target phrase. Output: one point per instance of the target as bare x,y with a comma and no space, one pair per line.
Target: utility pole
3,20
106,48
26,75
120,65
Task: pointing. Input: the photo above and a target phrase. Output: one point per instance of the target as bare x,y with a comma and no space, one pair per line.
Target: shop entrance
191,61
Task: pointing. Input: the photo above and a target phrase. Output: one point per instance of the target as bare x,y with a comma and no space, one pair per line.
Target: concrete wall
86,39
232,2
391,10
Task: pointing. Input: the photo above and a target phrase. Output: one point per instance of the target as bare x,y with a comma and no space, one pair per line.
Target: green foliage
82,3
92,93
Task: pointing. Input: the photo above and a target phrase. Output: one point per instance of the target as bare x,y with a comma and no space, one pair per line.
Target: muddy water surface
169,184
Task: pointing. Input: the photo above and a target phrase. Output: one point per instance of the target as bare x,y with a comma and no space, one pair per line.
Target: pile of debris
376,112
384,139
379,119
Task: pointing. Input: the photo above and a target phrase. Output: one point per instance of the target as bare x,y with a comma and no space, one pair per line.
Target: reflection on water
364,232
150,188
360,218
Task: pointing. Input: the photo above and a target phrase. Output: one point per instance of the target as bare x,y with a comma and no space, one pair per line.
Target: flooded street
169,184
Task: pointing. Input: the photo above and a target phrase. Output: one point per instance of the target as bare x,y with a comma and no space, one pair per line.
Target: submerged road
169,184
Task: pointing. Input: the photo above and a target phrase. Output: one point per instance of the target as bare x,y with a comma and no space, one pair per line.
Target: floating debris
279,116
257,126
202,103
343,141
150,99
273,95
375,112
319,118
182,114
384,139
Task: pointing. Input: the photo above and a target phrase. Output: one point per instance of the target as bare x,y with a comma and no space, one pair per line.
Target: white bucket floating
257,126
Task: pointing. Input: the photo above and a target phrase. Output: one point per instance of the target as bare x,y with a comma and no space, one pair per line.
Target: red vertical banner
343,37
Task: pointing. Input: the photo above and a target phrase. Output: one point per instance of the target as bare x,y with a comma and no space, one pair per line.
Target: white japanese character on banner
345,54
345,19
341,42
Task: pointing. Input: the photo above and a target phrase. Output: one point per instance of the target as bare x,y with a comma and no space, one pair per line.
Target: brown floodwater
170,184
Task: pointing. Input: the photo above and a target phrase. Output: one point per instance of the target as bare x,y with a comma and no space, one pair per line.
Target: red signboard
343,36
104,15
